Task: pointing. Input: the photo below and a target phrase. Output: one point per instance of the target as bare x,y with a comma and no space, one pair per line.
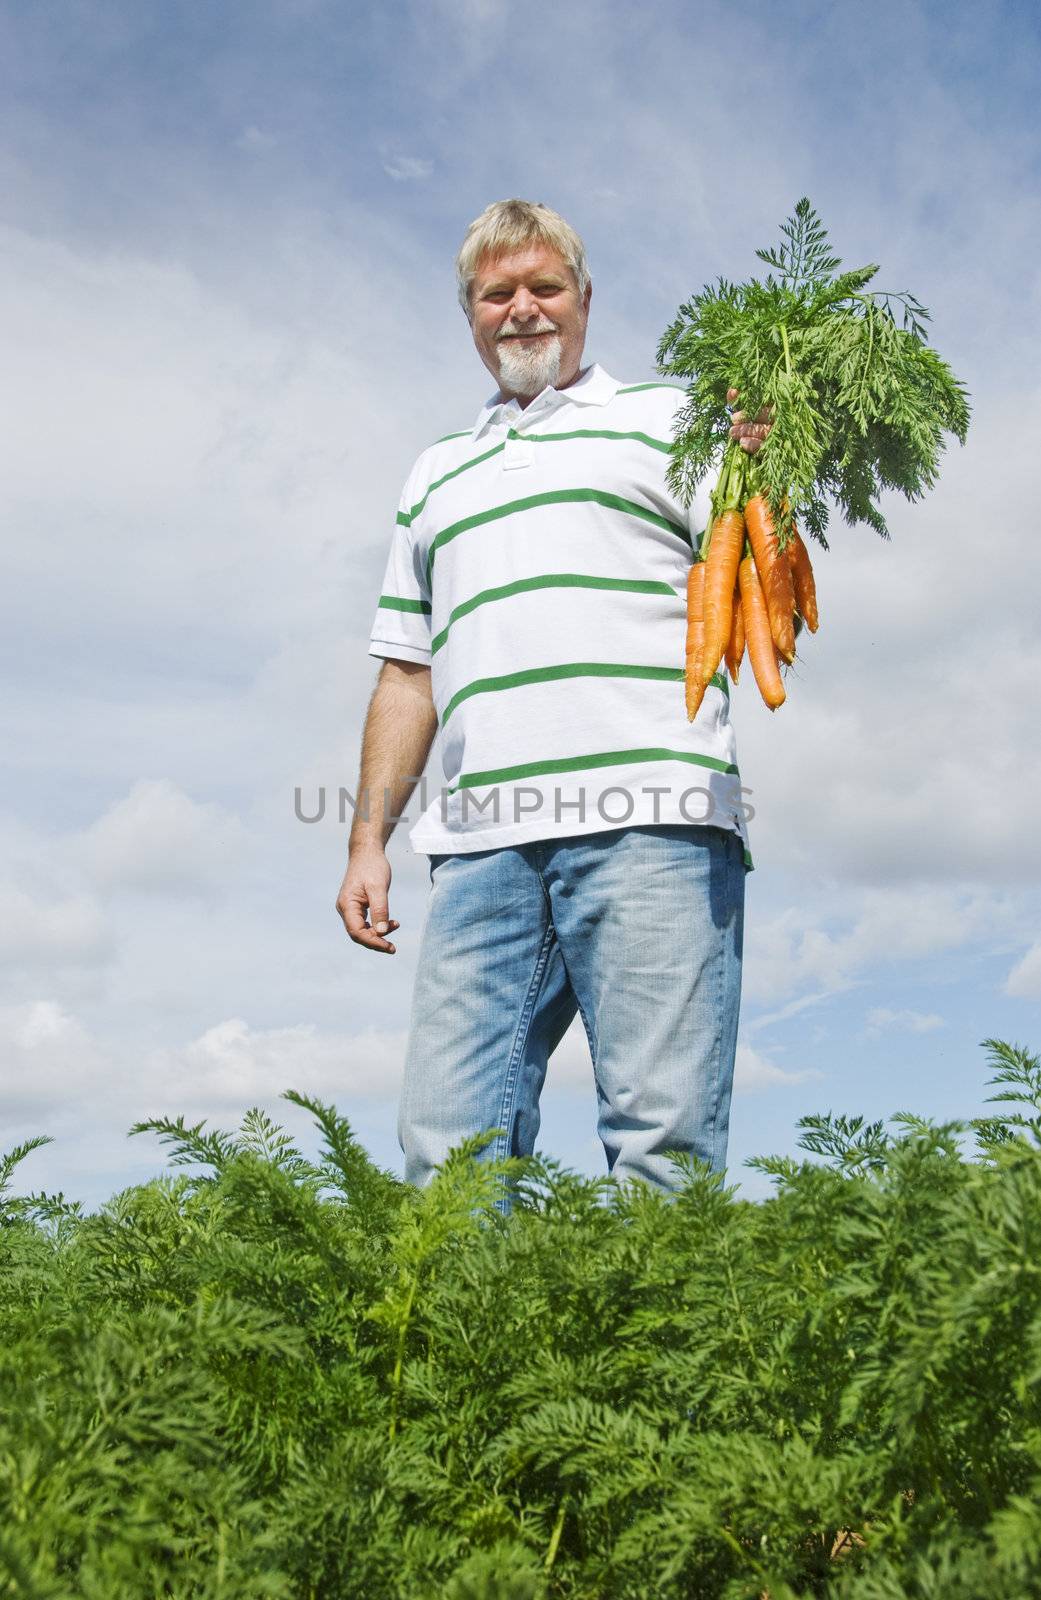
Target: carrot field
265,1375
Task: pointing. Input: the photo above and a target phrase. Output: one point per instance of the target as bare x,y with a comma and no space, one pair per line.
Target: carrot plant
860,404
267,1374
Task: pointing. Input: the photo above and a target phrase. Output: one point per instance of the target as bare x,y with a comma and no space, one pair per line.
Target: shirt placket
518,451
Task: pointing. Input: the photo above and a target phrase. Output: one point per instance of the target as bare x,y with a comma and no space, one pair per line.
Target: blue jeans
638,929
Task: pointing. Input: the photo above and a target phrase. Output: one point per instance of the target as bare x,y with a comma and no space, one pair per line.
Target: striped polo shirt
539,565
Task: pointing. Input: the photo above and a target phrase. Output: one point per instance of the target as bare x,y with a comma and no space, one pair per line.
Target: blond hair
509,225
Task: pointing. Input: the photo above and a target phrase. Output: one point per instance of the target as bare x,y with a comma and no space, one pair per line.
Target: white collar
594,388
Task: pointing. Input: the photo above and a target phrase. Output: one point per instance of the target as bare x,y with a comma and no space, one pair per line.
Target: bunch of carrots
744,592
861,405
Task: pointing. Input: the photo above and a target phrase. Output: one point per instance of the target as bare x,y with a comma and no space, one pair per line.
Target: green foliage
861,403
1019,1073
270,1376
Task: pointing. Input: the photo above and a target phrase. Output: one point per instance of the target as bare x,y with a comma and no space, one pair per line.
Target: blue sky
227,286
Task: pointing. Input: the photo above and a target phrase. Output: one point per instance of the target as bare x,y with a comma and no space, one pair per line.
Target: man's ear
587,296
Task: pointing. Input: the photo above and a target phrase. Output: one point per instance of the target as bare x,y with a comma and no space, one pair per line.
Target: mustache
509,330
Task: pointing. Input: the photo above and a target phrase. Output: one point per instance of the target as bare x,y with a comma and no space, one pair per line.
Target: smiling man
509,304
587,845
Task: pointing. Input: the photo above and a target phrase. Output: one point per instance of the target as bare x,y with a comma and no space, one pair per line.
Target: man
588,848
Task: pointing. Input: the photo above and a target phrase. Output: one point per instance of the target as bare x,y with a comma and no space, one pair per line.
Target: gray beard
528,372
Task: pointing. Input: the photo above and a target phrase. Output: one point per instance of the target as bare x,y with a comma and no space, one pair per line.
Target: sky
230,326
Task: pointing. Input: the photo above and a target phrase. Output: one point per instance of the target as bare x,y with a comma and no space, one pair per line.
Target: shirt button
518,453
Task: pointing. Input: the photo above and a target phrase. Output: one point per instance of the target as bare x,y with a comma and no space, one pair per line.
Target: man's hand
365,888
749,435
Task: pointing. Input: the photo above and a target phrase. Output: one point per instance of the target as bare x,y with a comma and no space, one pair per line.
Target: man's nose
524,306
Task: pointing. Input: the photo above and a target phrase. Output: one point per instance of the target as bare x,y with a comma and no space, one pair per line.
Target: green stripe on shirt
595,433
638,388
535,438
600,758
395,602
475,461
567,669
613,502
549,580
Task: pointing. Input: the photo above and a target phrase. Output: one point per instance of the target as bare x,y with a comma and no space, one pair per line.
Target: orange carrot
724,552
775,576
736,643
802,579
762,652
694,689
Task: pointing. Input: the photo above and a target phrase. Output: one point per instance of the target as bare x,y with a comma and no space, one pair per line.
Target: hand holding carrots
749,435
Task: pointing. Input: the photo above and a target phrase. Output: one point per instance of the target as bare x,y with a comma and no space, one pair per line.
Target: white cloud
57,1070
51,931
753,1070
1024,981
40,1023
404,169
60,1078
254,140
262,504
907,1021
232,1066
54,1071
158,840
817,950
571,1065
475,12
783,1013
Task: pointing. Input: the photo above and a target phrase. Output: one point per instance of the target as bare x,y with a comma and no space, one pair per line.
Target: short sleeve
401,628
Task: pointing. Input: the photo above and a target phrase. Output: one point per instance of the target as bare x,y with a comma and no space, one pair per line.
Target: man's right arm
399,730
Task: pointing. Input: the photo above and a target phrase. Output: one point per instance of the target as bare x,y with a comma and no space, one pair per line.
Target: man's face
529,320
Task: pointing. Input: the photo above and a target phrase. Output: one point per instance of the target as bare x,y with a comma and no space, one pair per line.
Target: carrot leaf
861,403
